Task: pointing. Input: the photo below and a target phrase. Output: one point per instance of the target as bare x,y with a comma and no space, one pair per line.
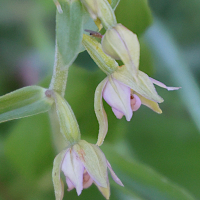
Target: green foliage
24,102
168,143
69,30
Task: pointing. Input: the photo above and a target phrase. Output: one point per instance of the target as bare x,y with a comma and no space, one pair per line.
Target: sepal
100,112
142,86
24,102
94,48
101,9
94,161
57,182
151,104
121,44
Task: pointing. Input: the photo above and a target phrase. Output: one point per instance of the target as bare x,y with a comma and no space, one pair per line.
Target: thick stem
60,73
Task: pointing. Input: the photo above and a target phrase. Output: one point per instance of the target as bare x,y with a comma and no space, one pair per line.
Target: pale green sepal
69,30
104,191
151,104
101,9
104,62
121,44
68,124
107,15
57,182
24,102
94,162
142,86
100,112
114,4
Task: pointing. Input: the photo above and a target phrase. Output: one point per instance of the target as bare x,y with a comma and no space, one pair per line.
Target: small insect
94,33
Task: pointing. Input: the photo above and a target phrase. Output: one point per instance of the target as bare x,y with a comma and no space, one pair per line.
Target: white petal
135,103
117,95
114,176
73,169
163,85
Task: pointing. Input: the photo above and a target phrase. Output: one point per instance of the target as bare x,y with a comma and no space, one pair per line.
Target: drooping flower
124,89
82,165
120,98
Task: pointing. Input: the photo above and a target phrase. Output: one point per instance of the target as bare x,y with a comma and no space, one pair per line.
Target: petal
94,161
117,113
163,85
143,86
100,112
73,169
114,176
135,102
151,104
69,184
87,180
117,95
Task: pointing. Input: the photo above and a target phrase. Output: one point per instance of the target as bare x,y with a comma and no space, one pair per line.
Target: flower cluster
125,89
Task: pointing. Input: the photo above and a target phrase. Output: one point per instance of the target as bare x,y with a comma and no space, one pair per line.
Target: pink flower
121,99
82,165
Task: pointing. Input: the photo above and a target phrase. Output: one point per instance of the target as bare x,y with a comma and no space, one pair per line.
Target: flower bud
101,9
94,48
121,44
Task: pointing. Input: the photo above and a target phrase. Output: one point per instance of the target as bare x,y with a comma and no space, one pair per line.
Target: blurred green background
155,156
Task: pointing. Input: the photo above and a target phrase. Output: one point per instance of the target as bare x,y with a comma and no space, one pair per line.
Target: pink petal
73,169
117,113
114,176
69,184
135,102
117,95
163,85
87,180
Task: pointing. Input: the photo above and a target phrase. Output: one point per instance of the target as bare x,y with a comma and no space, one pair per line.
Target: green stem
60,74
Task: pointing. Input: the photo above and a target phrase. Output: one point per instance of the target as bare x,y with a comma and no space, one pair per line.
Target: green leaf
28,147
135,15
142,179
69,30
24,102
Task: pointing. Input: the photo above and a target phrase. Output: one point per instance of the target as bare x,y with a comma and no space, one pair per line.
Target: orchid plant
125,89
